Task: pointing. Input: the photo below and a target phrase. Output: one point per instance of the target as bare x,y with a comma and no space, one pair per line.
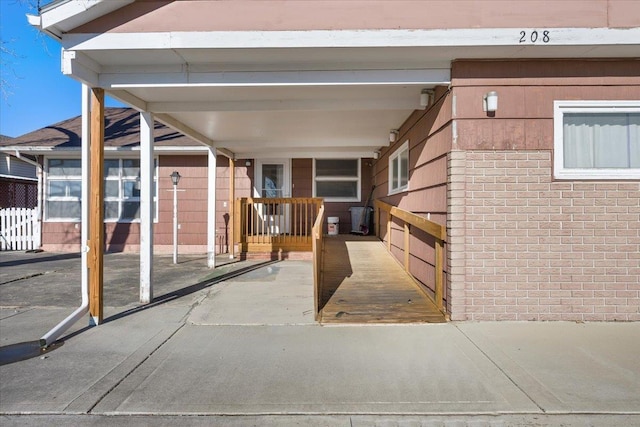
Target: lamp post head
175,177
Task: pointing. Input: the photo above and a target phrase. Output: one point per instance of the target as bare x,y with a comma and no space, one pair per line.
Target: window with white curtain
597,139
121,190
399,169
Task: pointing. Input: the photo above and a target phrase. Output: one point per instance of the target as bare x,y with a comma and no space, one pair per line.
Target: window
597,139
337,180
399,169
121,190
64,189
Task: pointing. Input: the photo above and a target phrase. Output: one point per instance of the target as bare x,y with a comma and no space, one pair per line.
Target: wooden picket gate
19,229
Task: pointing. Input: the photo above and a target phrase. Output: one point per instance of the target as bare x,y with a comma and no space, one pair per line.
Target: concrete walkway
245,351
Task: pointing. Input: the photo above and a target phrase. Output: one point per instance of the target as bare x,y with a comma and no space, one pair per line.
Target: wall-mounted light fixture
426,97
393,135
490,102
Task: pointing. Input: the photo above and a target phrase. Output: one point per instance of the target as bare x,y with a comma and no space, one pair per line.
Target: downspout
40,175
51,336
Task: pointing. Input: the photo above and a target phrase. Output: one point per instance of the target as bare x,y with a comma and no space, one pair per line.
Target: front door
273,181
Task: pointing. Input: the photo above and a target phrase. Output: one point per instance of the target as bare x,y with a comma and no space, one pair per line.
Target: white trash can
333,225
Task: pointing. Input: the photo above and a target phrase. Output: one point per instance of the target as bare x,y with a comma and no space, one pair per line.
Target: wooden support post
407,238
96,207
439,285
232,208
238,229
389,231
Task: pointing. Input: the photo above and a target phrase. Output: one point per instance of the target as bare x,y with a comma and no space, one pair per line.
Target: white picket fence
19,229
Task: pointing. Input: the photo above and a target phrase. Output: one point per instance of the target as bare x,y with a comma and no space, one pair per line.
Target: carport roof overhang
301,93
268,102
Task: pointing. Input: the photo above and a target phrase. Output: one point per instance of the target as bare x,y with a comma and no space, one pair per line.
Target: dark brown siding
302,177
429,133
302,181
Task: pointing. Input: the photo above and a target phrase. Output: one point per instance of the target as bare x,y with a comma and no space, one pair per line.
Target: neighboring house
57,148
18,178
515,124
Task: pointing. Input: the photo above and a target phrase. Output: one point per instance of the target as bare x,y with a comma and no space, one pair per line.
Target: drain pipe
51,336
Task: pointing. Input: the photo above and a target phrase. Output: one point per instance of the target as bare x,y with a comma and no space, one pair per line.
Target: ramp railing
411,220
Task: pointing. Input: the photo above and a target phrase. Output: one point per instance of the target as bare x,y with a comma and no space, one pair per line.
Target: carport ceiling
277,102
280,120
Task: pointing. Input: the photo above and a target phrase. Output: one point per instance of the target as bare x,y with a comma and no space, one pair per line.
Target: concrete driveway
238,346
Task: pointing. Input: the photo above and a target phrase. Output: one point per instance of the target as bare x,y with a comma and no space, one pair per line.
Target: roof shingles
122,130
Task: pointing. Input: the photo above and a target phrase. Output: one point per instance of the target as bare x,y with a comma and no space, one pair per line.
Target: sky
36,93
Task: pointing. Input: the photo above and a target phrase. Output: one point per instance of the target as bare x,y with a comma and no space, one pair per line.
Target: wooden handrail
438,231
275,224
317,236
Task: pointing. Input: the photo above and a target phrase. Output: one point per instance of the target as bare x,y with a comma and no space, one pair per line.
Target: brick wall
456,206
537,249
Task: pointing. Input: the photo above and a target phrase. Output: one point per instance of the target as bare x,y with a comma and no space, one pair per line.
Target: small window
64,189
121,190
337,180
399,169
597,139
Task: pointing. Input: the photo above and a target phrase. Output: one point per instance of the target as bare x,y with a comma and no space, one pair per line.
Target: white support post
146,207
175,223
211,209
85,164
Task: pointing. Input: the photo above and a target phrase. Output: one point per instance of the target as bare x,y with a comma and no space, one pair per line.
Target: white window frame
119,199
47,185
393,157
562,107
357,179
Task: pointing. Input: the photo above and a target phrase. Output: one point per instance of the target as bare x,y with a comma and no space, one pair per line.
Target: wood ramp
363,283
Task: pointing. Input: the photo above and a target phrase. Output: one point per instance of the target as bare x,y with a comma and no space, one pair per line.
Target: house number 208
534,36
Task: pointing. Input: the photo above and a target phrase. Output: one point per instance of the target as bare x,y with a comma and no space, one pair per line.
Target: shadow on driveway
31,349
32,260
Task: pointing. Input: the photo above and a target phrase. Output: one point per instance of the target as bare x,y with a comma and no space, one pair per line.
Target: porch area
275,225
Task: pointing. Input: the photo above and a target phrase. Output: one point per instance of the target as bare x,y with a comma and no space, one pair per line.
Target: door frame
257,191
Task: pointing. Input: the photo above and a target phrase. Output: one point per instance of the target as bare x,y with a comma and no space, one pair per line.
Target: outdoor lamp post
175,178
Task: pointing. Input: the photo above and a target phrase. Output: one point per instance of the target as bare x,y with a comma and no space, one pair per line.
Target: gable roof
121,132
5,139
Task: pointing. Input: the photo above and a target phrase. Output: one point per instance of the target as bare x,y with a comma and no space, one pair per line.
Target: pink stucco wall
271,15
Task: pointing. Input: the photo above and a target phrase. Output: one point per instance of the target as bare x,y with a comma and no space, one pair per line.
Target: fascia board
61,17
353,38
